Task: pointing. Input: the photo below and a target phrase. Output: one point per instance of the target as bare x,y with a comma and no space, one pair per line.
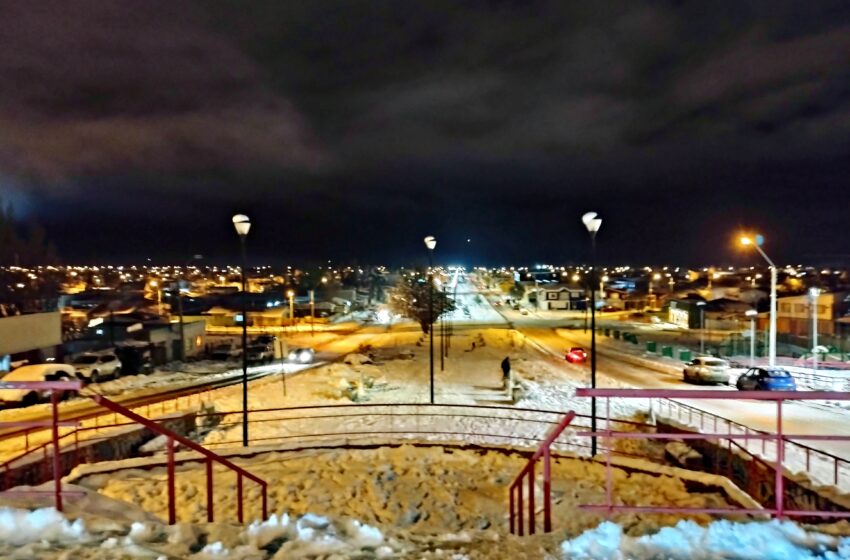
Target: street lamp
752,314
243,225
155,285
757,242
701,305
430,243
291,295
592,223
814,293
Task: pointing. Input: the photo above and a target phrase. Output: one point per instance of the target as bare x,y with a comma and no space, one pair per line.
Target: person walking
506,372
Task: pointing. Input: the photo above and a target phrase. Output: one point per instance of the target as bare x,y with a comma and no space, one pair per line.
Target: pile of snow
47,534
19,527
773,540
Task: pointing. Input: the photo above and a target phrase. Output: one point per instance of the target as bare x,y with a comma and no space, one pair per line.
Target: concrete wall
21,333
36,468
756,478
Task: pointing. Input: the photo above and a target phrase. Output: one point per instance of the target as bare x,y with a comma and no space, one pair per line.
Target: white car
94,368
301,355
35,372
706,370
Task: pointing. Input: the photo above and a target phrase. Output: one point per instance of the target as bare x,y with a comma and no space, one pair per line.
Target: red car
576,355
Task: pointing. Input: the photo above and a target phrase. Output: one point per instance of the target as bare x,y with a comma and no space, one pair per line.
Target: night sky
349,130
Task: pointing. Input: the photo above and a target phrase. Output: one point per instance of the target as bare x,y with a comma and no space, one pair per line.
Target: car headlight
293,356
305,357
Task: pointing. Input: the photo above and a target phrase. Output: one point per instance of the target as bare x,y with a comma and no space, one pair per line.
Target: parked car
301,355
766,379
576,355
260,354
225,351
94,368
35,372
609,309
706,370
266,339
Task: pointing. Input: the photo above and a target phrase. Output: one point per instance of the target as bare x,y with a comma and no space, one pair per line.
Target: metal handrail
543,450
210,458
747,430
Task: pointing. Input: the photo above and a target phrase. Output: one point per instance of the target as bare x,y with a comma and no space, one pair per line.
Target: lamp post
155,284
430,243
291,295
243,225
701,305
442,322
752,314
757,242
814,293
592,223
312,312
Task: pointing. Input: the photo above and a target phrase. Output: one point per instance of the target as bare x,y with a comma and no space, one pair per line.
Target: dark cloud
344,121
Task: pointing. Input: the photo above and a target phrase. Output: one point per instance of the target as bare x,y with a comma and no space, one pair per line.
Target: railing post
547,492
210,501
172,510
265,501
835,462
239,495
57,460
27,440
807,459
531,520
519,508
510,507
780,451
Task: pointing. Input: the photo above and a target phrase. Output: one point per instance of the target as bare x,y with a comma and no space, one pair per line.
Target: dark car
260,354
576,355
766,379
266,339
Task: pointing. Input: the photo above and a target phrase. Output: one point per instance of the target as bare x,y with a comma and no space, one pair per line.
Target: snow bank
719,540
19,526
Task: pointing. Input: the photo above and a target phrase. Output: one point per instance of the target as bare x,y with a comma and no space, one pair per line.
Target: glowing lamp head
242,223
751,313
430,242
290,294
591,222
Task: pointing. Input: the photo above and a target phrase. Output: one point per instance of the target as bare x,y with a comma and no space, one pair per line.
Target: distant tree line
30,249
19,292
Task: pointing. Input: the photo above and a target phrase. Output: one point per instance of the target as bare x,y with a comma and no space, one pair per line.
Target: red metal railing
516,504
691,416
54,388
780,438
209,457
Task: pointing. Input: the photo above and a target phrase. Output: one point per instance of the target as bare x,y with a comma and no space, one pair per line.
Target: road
615,370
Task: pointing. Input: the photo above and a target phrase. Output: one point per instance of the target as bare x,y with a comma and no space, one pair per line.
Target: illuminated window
198,341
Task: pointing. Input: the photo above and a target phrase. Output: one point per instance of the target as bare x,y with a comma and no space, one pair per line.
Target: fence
544,452
779,438
54,387
817,464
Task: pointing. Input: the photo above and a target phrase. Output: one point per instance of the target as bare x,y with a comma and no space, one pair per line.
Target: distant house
559,297
794,313
33,338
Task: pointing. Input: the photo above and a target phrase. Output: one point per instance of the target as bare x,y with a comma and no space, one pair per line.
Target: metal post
547,491
180,312
244,346
772,355
752,342
210,497
442,337
172,510
815,292
531,520
292,312
57,464
780,453
431,319
593,341
312,312
702,330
